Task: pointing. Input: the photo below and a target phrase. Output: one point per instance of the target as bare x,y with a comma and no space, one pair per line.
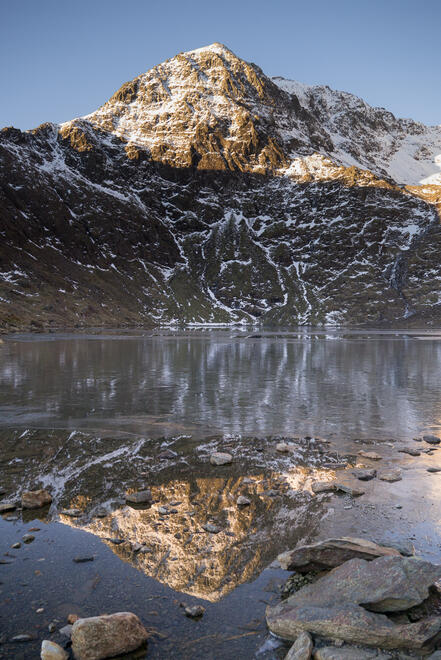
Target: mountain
204,191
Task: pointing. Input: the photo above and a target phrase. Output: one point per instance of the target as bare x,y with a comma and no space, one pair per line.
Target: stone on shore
243,501
330,553
107,635
410,451
371,455
348,603
35,499
301,649
52,651
140,497
194,611
220,458
349,490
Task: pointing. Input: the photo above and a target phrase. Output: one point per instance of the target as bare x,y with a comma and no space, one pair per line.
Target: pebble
393,475
434,469
100,512
22,638
72,618
353,492
52,627
242,501
282,447
365,475
211,528
16,545
28,538
72,513
82,560
410,451
220,458
431,439
371,455
140,497
195,611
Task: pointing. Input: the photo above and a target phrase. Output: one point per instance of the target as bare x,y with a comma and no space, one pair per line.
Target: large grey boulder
331,553
301,649
106,636
349,601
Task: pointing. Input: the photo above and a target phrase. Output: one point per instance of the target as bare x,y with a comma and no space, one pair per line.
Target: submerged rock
371,455
365,475
7,506
220,458
410,451
107,635
348,603
431,439
331,553
35,499
52,651
301,649
390,476
195,611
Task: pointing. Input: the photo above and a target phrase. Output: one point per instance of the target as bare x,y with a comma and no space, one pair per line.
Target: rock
52,627
371,455
301,649
7,506
410,451
431,439
335,466
28,538
332,653
72,513
390,476
349,490
166,454
83,560
141,497
282,447
348,603
52,651
195,611
435,656
220,458
322,487
35,499
365,475
243,501
16,546
434,469
22,638
211,528
66,630
330,553
107,635
72,618
100,512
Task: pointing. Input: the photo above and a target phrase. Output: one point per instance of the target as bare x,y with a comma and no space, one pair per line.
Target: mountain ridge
203,192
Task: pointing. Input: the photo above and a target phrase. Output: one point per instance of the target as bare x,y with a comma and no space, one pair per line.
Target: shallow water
90,416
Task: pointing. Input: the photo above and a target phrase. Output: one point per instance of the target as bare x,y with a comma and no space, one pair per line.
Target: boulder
332,653
220,458
35,499
301,649
140,497
52,651
330,553
349,603
107,635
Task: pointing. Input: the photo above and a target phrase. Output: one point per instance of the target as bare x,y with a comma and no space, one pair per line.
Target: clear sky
60,59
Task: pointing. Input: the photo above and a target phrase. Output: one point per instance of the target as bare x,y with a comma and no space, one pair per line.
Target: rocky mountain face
205,192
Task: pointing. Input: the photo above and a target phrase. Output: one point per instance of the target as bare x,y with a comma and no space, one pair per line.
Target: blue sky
60,59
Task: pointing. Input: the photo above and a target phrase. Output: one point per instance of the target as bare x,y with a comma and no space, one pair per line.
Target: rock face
249,199
35,499
348,603
106,636
331,553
